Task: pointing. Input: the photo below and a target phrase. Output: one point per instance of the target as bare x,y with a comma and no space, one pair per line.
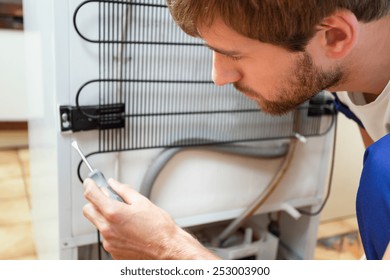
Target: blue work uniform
373,196
373,199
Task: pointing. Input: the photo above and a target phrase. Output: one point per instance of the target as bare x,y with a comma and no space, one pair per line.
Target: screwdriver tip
74,144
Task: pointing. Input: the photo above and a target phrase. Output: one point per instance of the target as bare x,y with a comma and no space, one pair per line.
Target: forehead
220,36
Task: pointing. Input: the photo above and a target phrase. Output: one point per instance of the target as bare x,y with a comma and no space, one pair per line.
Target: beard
305,81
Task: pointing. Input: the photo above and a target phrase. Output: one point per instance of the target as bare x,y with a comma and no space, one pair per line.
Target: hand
138,229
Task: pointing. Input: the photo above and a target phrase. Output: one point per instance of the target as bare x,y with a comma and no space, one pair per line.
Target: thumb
94,195
128,194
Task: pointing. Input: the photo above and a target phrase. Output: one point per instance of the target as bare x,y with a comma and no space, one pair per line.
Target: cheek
262,78
271,64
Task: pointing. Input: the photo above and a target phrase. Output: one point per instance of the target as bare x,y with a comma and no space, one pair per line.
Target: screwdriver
97,175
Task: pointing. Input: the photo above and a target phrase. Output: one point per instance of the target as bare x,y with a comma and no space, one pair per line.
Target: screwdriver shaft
76,146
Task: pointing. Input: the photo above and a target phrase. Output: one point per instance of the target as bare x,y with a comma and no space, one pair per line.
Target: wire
236,223
200,143
303,212
157,74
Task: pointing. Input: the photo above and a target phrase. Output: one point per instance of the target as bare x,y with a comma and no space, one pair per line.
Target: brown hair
286,23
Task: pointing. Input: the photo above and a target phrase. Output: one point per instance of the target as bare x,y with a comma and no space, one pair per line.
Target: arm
138,229
373,199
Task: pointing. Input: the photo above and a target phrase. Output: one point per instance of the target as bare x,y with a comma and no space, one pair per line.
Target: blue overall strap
341,107
373,199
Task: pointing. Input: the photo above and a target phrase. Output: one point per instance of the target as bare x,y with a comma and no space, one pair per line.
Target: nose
224,71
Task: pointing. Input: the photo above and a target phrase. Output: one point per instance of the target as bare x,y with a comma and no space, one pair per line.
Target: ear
339,33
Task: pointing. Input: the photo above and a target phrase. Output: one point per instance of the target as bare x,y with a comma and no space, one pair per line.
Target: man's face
276,79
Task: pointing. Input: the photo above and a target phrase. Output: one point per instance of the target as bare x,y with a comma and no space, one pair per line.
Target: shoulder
377,157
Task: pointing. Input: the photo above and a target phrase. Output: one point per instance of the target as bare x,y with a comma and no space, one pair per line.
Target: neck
368,67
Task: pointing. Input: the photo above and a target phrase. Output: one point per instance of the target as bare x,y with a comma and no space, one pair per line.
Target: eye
234,58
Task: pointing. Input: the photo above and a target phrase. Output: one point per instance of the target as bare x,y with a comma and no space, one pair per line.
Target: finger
93,215
129,195
95,195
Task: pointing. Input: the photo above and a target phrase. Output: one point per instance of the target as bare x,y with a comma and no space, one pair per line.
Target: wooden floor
15,218
337,240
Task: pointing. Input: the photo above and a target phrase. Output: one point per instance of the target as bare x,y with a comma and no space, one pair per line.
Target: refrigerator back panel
131,88
139,59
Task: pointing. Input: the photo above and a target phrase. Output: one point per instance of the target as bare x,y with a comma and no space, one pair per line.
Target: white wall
13,105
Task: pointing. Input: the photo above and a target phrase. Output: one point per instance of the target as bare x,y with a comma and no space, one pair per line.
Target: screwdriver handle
101,182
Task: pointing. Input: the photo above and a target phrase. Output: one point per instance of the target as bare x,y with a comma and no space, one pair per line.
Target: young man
279,53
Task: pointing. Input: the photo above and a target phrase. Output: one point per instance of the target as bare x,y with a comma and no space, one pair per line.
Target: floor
337,239
15,219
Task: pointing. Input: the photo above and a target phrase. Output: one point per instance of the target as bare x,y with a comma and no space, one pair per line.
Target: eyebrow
224,52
